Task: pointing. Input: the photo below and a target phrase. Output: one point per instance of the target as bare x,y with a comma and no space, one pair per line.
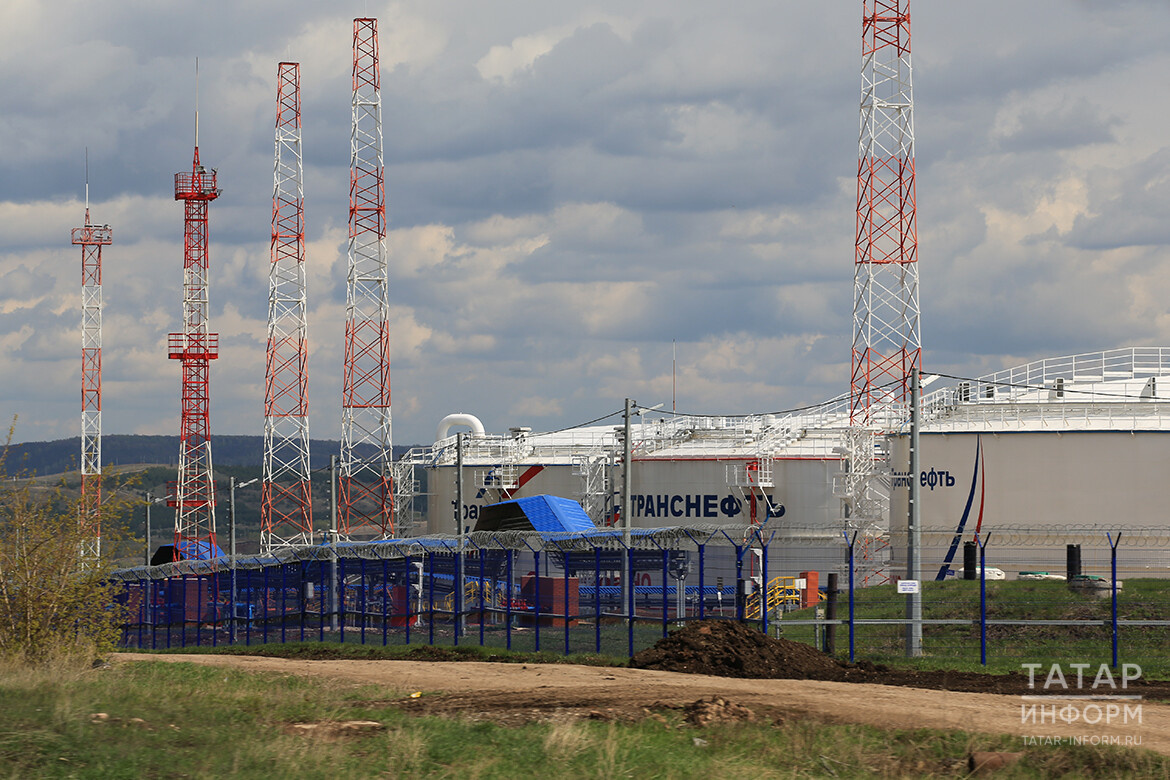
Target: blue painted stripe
942,572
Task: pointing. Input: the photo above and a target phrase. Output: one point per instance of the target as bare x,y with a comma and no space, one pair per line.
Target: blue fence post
702,585
508,604
597,599
302,596
264,607
565,559
740,596
665,577
168,607
482,600
409,592
1113,568
340,585
143,600
851,543
362,600
459,582
213,598
630,604
321,599
763,585
982,598
431,598
536,585
183,607
283,601
386,597
153,614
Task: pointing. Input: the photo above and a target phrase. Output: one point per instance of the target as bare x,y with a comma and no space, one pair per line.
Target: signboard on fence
907,586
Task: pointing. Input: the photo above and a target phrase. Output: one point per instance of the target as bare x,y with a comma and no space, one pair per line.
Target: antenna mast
366,502
196,346
91,238
286,517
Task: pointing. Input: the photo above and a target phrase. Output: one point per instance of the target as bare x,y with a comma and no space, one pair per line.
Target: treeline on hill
63,455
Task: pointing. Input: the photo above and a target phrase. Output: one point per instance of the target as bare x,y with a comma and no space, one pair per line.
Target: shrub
55,605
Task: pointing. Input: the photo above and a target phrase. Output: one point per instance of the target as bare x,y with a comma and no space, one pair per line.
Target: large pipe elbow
459,418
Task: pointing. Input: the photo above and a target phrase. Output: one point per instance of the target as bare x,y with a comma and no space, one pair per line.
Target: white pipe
459,418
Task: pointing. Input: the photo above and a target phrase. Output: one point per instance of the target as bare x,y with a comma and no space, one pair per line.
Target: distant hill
63,455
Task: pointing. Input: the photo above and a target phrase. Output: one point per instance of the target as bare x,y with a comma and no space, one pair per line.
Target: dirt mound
729,649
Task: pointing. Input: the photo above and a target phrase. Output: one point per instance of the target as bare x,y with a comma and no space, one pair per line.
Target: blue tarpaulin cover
543,514
199,550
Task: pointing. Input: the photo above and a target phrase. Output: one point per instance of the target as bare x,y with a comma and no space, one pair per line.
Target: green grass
317,651
958,647
202,722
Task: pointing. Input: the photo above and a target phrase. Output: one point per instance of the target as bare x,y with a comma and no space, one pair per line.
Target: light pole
459,585
914,537
232,485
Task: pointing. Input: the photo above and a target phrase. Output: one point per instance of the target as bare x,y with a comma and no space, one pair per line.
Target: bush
55,605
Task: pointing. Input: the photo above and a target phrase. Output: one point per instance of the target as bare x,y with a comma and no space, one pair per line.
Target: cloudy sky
573,187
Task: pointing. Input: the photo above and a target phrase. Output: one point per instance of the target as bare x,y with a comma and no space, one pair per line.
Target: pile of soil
725,648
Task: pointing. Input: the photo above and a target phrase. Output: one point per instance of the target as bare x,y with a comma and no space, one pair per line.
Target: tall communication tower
887,342
366,502
91,238
286,514
194,494
886,336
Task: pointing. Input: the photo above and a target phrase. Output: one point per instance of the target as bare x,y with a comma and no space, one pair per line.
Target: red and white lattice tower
194,494
366,501
286,517
91,238
886,336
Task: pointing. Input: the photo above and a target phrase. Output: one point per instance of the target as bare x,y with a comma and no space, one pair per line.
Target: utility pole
333,541
149,501
914,525
627,504
459,530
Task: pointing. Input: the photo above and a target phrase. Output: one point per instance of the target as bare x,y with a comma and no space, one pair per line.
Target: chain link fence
565,593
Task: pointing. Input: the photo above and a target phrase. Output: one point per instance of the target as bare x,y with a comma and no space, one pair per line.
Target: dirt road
513,693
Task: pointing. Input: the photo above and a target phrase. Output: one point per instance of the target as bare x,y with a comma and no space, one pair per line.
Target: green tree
55,605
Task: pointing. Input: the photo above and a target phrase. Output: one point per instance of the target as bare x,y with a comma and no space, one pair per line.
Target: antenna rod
87,185
196,102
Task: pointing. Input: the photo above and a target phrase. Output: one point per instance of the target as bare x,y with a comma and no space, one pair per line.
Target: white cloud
570,188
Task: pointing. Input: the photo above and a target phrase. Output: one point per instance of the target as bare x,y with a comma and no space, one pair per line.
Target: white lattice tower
366,498
91,238
286,511
886,333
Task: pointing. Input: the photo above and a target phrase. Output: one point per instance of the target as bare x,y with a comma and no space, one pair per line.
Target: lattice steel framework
886,336
286,513
91,238
366,492
194,493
